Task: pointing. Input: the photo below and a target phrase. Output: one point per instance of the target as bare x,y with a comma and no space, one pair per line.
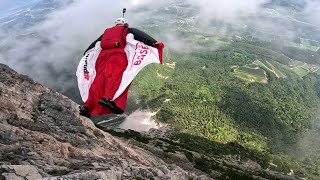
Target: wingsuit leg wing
113,73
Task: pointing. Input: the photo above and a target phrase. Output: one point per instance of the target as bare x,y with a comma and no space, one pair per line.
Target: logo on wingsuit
85,68
141,52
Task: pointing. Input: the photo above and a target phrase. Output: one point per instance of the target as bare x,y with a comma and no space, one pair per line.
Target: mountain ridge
43,136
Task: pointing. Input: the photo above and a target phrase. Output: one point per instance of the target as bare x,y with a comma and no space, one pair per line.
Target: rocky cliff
42,136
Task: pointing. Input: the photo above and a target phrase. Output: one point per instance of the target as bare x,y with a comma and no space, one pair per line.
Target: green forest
202,97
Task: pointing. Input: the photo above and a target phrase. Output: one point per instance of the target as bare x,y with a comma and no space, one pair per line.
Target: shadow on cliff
221,161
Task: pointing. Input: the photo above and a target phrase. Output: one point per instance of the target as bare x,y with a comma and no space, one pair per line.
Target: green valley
213,96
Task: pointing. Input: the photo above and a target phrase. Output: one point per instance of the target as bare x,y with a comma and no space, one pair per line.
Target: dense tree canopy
203,97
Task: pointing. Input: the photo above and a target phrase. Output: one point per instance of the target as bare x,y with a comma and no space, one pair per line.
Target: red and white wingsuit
107,70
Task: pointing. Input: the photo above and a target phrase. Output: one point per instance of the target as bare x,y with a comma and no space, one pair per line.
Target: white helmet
121,21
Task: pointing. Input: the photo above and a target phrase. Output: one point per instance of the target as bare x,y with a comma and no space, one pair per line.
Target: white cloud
60,41
141,120
64,35
312,12
230,11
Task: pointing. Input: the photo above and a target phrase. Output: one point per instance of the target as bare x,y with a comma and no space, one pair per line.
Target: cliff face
43,136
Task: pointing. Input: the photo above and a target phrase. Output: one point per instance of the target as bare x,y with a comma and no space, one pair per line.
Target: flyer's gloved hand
109,45
158,45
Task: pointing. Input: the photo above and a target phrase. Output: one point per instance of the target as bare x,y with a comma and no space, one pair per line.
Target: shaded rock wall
43,136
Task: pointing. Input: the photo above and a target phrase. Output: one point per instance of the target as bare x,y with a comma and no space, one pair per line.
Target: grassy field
256,71
260,64
251,73
301,72
303,45
295,63
270,68
278,73
253,66
301,69
305,66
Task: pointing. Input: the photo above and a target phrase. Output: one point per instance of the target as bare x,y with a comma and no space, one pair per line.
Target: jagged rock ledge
42,136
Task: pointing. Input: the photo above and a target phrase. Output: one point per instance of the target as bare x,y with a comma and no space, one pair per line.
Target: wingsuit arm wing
142,37
92,45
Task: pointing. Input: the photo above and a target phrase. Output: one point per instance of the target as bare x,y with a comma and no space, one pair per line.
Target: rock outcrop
42,136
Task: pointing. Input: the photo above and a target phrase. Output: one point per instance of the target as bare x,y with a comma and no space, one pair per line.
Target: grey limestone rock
42,136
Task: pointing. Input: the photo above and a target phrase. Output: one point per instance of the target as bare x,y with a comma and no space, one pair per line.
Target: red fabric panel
113,35
109,45
96,90
160,46
117,64
110,66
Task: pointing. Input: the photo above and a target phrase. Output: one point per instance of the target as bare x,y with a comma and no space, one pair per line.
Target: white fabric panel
86,71
139,55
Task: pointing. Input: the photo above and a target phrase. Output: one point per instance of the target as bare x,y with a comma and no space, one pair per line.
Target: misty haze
239,78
